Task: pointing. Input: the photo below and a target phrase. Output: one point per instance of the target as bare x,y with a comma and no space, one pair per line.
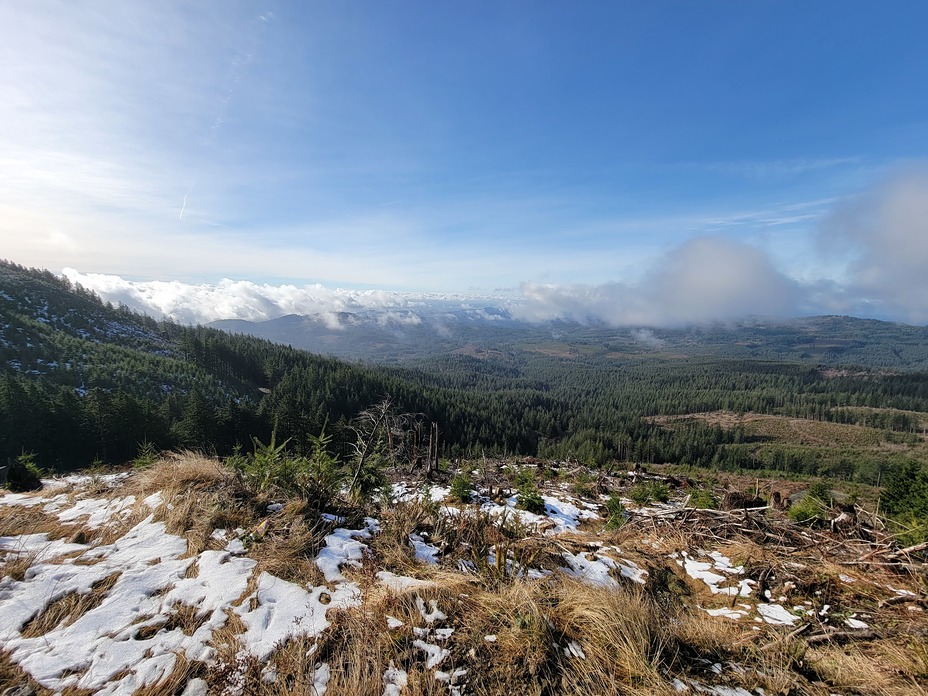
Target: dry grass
16,566
288,548
180,472
174,683
634,639
12,676
785,429
68,608
17,519
199,496
622,635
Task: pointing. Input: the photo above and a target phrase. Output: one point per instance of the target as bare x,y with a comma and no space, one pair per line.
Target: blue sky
580,157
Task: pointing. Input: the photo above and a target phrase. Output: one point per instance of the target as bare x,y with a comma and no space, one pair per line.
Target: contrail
184,206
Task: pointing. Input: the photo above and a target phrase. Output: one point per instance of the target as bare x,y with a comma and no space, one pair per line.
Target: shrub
147,455
810,510
24,474
908,529
660,491
905,498
646,491
640,493
270,468
530,499
820,491
584,485
703,499
615,512
462,487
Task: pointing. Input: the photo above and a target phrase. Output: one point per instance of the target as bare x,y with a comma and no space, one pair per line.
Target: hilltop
185,578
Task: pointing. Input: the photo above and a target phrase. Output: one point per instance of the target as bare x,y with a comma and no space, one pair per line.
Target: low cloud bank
240,299
880,239
705,279
883,236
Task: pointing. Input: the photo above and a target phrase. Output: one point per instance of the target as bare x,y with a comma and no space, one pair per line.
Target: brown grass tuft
174,683
17,519
13,677
180,472
288,550
68,608
16,565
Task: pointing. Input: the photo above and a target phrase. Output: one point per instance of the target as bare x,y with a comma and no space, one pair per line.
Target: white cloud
875,250
704,279
242,299
647,337
883,236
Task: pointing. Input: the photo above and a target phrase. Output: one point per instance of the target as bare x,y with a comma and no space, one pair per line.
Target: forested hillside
82,381
436,327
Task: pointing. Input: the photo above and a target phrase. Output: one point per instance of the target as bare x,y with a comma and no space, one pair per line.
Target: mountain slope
435,329
81,380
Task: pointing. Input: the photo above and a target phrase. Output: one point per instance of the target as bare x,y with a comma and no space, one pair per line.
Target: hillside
320,541
435,329
80,380
184,578
83,381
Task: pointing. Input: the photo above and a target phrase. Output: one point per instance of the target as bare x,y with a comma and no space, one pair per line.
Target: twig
908,549
840,636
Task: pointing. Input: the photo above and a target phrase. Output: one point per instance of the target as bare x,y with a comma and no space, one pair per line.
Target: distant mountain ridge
386,336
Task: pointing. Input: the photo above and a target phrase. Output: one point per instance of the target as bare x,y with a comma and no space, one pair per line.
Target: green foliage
820,491
909,529
660,491
810,510
702,499
24,474
320,477
905,498
270,468
584,485
615,512
646,491
370,478
27,461
147,455
529,496
524,477
462,487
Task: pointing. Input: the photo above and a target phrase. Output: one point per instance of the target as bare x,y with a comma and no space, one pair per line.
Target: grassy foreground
513,603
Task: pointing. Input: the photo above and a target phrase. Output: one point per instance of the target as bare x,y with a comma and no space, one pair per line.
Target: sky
636,163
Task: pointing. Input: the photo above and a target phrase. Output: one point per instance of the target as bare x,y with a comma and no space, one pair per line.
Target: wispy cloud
776,168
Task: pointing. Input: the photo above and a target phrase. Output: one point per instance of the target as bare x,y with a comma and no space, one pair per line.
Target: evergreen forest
83,381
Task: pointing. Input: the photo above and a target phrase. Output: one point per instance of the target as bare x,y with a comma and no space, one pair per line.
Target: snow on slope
130,639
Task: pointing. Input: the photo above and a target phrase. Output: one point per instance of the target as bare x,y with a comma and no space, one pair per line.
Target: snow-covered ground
132,636
149,602
130,640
